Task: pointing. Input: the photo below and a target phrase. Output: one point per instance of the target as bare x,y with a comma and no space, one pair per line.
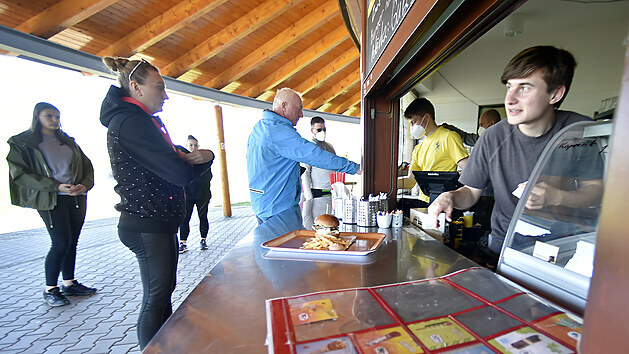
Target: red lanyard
158,122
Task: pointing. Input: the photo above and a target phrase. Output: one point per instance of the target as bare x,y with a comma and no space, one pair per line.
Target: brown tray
365,243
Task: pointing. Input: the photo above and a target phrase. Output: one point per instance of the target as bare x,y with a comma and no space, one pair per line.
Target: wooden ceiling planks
247,47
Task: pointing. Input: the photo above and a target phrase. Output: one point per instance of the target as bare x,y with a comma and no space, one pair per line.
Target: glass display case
550,243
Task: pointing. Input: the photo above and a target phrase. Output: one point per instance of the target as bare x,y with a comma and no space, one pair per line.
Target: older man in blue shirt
274,151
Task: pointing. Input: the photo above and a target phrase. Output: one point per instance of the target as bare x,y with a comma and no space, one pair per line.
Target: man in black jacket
197,193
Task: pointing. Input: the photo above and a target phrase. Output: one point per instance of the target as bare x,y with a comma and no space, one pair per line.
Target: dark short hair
419,107
316,119
557,67
492,115
190,137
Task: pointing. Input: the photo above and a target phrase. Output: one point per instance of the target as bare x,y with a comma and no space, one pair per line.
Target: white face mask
320,136
417,130
481,130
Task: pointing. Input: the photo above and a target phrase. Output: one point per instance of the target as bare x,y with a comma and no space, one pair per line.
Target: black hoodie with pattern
150,175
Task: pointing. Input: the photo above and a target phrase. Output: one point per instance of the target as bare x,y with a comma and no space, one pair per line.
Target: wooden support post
222,158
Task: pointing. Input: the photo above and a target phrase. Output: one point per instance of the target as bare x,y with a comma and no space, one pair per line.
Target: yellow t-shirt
441,151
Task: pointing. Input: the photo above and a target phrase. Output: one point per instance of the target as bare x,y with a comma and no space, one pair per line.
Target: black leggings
64,225
204,225
157,256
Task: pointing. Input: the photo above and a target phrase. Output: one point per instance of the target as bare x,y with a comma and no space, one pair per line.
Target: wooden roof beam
339,88
350,56
62,15
280,42
161,27
352,101
314,52
266,12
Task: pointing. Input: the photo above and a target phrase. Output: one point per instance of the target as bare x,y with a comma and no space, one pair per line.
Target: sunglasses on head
320,130
142,61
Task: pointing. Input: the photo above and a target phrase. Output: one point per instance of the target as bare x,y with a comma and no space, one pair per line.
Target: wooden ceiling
245,47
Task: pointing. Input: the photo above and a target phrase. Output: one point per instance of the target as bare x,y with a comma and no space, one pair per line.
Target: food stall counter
225,313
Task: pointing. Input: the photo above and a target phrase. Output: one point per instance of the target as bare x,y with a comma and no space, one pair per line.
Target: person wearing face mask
537,81
440,150
486,120
315,181
274,152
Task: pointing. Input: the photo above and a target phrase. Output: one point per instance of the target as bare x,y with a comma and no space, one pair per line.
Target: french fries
325,242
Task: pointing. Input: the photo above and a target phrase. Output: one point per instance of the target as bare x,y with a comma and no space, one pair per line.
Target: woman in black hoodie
150,176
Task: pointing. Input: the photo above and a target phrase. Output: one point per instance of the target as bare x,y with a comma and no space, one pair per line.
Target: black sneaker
77,289
203,244
54,298
182,248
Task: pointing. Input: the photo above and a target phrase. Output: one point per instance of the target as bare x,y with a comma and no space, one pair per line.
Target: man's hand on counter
443,204
462,199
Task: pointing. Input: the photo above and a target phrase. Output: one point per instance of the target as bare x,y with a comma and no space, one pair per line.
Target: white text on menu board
385,17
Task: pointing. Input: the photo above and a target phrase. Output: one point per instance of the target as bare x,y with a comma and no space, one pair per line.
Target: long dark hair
36,125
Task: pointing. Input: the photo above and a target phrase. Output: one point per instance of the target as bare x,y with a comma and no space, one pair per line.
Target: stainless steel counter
226,312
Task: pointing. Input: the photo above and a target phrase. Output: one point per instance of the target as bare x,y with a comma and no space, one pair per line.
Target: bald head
287,103
489,118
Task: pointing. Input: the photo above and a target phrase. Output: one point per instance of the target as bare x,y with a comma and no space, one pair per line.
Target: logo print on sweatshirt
437,145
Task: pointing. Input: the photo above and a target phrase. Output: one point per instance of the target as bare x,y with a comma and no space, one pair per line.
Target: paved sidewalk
104,322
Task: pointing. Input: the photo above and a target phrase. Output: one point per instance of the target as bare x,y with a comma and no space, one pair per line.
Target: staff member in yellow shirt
440,150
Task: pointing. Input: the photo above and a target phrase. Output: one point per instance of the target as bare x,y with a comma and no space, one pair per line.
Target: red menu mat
470,311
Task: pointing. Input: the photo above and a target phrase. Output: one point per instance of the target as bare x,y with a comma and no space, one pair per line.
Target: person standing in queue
197,193
274,151
49,172
316,181
537,81
150,176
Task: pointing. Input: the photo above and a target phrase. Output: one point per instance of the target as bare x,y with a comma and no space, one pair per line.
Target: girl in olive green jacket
49,172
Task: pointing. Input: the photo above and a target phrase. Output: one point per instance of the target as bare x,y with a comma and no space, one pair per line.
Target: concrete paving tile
14,336
5,330
102,261
41,345
103,345
24,342
86,342
122,349
56,348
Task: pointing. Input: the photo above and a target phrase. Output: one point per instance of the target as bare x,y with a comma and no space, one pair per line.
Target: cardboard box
419,217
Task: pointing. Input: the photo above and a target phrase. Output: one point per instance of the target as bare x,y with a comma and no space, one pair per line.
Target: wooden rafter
254,19
265,45
350,56
161,26
352,101
317,50
339,88
280,42
62,15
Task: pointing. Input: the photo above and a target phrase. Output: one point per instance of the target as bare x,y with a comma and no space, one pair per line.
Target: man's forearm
464,198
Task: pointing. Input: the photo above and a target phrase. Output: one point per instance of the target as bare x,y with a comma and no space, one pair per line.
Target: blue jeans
157,257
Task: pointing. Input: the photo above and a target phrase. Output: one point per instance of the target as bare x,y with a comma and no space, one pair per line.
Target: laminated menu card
470,311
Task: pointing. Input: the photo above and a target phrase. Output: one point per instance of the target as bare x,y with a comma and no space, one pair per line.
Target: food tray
364,244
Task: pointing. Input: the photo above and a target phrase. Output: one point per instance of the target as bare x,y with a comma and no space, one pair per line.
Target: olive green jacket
30,179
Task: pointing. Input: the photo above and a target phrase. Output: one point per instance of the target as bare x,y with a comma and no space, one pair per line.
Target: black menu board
384,18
